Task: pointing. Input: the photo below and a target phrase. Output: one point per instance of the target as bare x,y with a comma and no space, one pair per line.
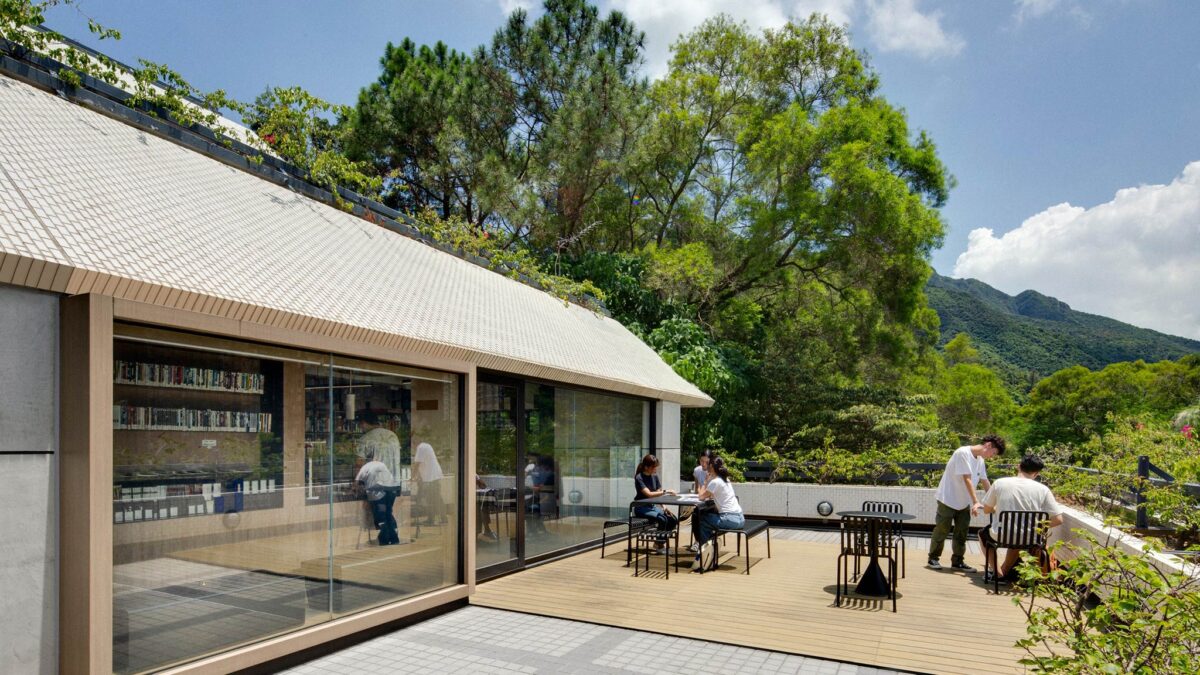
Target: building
198,352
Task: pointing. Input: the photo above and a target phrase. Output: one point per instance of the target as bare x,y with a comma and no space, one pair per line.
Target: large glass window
260,490
581,451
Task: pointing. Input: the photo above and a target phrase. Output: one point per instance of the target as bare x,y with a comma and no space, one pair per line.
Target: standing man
1021,492
380,441
957,500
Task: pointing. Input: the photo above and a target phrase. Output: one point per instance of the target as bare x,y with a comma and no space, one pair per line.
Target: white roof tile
89,192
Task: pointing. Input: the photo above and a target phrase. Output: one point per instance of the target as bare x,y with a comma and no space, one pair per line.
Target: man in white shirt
381,489
428,472
1021,492
957,501
379,440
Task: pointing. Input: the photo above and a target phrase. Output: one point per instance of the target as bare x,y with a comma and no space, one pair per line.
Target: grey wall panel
29,508
28,370
29,564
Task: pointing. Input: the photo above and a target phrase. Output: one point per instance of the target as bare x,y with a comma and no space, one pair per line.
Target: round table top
877,514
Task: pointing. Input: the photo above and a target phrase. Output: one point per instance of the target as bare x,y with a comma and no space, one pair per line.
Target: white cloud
1135,258
899,26
510,6
1036,9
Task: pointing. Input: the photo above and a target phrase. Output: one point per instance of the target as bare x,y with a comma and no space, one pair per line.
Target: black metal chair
1022,531
632,525
897,526
648,540
856,543
748,530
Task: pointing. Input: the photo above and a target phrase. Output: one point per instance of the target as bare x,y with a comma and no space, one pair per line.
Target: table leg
873,581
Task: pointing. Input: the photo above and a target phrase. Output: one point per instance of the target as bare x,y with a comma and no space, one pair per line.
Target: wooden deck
946,622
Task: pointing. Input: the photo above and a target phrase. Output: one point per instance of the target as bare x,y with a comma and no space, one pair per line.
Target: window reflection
582,448
241,509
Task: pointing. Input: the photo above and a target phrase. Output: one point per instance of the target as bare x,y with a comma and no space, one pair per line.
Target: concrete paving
483,640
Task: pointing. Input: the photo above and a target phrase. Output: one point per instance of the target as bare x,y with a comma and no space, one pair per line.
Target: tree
1075,403
972,401
570,81
425,129
959,350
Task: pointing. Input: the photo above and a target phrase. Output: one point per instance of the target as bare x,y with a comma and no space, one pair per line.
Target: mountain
1029,336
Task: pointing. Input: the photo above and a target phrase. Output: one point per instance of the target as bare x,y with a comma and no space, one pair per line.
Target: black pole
1143,472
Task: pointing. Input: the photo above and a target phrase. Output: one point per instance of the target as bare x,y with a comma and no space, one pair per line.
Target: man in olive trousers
957,500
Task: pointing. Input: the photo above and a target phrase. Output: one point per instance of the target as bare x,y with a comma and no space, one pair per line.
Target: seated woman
647,485
728,513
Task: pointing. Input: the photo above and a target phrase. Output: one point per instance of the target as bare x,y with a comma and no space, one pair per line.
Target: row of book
186,419
186,377
319,424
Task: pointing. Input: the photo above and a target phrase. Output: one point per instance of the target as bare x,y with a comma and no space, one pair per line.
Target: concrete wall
666,442
1077,524
800,500
29,474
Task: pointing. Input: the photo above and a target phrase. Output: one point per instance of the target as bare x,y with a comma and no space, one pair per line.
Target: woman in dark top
646,485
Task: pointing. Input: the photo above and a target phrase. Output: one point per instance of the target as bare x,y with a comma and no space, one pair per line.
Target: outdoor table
692,500
873,582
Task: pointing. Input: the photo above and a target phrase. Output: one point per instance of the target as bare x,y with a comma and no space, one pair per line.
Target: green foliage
1148,620
292,124
1073,404
972,401
159,89
1113,456
516,263
959,350
423,127
690,351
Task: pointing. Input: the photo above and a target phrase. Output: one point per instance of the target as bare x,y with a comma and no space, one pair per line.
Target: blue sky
1033,103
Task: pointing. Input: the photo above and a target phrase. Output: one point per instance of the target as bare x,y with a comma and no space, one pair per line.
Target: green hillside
1029,336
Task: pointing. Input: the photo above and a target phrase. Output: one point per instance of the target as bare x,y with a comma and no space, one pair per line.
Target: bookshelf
194,432
144,418
186,377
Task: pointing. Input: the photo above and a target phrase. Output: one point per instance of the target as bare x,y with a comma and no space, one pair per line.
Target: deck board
946,623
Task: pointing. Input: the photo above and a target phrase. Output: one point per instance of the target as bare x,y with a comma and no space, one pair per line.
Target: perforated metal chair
1022,531
897,526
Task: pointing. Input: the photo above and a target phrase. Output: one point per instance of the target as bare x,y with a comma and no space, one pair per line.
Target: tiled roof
88,203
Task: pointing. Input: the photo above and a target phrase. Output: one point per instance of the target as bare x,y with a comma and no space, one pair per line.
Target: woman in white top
728,514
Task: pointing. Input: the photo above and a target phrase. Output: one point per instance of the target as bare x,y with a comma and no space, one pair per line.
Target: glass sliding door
499,495
552,463
582,447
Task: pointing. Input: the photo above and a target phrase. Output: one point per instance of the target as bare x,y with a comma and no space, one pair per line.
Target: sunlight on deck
946,622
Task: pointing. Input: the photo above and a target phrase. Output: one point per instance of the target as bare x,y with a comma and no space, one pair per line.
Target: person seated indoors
1021,492
726,515
647,485
381,488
